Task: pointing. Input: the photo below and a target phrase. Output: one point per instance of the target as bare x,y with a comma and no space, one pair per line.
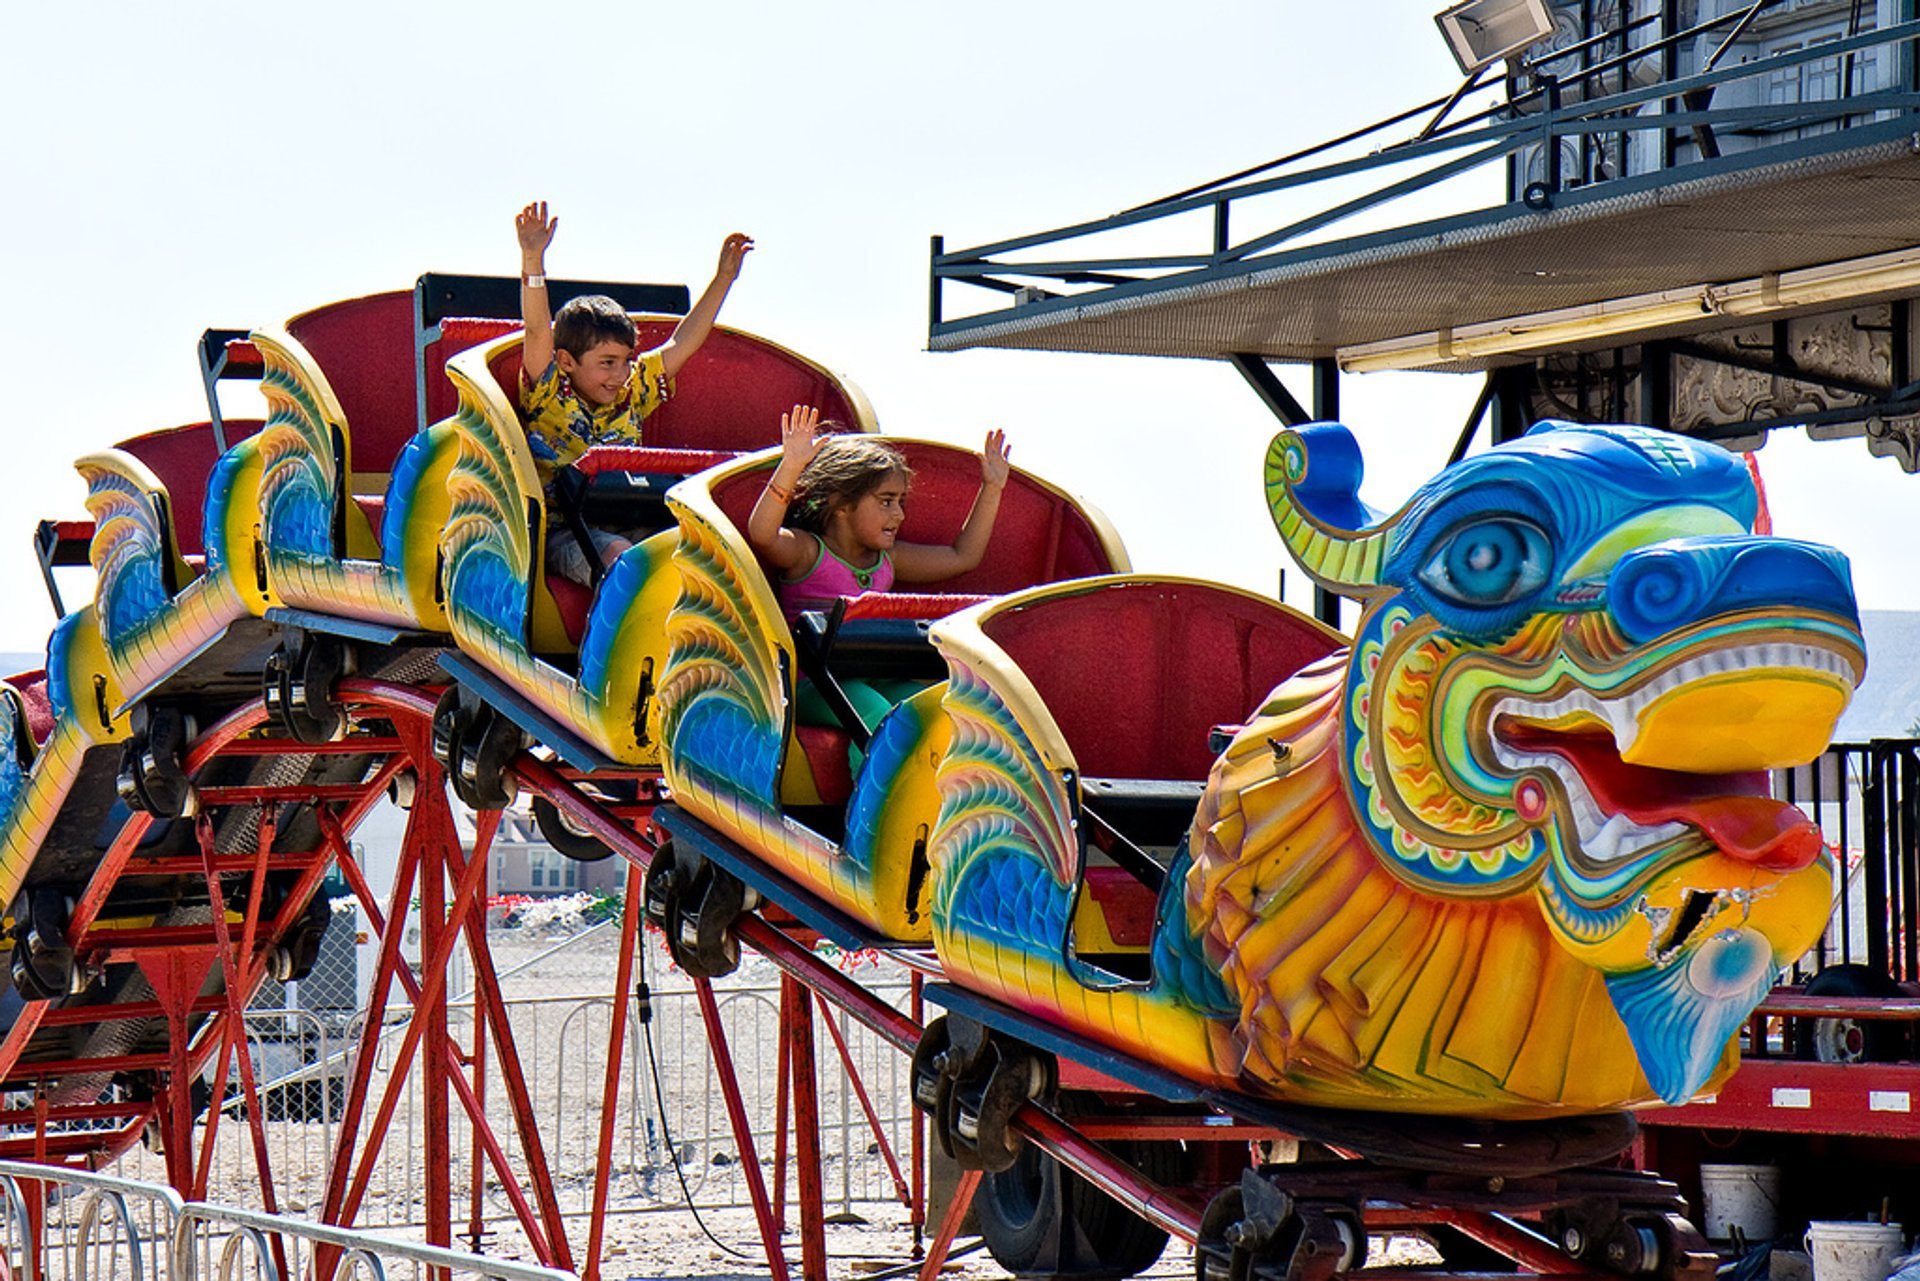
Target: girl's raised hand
994,468
799,441
733,251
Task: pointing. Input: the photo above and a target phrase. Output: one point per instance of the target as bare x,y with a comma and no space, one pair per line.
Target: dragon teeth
1622,714
1605,837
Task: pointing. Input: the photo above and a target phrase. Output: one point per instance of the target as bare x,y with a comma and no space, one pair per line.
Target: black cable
908,1269
645,1015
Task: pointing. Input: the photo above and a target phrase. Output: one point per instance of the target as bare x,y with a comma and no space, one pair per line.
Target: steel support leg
806,1131
436,941
867,1109
950,1225
742,1129
630,942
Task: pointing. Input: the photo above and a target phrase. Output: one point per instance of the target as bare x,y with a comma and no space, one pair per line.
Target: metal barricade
96,1227
673,1143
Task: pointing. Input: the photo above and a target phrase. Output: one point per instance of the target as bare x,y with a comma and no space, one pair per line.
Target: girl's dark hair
589,320
846,469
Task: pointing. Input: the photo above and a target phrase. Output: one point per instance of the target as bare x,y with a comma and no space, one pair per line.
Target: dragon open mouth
1687,751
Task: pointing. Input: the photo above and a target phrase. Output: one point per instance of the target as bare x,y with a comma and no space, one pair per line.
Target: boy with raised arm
582,383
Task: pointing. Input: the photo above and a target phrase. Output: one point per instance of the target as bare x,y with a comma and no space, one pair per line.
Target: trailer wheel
1844,1040
1041,1220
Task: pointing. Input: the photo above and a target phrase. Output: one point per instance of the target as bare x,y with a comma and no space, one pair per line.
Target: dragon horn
1313,488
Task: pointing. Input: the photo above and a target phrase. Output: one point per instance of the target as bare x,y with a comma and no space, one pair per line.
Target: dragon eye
1489,562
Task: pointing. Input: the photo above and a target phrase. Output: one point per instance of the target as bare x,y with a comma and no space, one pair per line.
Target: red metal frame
447,882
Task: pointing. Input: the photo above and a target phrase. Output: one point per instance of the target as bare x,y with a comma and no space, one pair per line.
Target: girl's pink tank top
829,580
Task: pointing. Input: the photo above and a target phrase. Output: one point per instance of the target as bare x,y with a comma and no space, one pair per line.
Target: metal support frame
447,880
1496,131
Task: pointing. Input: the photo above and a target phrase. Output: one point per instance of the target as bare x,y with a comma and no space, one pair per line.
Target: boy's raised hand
994,468
799,438
733,251
534,229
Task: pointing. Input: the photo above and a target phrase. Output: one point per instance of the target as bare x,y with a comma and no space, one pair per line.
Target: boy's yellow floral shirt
561,426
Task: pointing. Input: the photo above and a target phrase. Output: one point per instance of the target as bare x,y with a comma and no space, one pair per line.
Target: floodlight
1481,32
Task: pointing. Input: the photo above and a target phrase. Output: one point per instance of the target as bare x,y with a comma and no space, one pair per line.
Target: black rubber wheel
578,845
1852,1040
298,681
1040,1220
481,777
152,775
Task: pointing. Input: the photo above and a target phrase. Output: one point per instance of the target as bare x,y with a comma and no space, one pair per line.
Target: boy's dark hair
845,470
589,320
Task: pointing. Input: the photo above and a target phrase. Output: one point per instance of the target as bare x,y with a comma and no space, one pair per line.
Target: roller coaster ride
1185,867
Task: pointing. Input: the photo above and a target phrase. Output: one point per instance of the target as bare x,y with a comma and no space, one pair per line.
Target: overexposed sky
176,167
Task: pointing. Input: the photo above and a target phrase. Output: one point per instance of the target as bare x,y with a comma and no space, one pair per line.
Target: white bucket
1853,1251
1746,1197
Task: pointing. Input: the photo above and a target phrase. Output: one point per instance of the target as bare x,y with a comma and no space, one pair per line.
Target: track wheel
43,966
565,835
1643,1243
296,954
1258,1231
1039,1218
153,776
695,903
972,1080
298,683
475,744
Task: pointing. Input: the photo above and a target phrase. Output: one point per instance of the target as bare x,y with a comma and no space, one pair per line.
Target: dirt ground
673,1246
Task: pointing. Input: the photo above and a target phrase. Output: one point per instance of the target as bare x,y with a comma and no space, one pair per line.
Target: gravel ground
553,962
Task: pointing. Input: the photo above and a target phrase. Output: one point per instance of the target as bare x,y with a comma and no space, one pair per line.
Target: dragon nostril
1686,580
1656,590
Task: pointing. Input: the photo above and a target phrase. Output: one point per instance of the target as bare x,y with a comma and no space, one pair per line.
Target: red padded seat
826,750
364,346
1127,905
916,605
457,334
1137,675
730,396
373,507
1040,536
574,601
640,458
182,458
32,687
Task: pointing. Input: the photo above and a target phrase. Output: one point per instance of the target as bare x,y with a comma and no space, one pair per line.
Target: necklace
864,577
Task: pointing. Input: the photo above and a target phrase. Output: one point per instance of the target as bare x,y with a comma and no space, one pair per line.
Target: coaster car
853,838
590,660
1508,853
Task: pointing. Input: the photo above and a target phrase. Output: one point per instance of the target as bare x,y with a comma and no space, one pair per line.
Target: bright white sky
175,167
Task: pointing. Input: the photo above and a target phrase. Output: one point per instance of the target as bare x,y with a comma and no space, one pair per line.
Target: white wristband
536,282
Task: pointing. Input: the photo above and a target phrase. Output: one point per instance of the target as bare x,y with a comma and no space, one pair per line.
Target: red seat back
729,397
364,346
1137,674
182,458
32,688
733,391
457,334
1039,536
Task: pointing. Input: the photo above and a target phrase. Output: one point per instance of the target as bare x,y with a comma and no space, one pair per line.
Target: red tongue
1753,829
1731,809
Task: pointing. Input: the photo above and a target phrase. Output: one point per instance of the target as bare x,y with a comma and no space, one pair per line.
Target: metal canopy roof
1840,194
1768,218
